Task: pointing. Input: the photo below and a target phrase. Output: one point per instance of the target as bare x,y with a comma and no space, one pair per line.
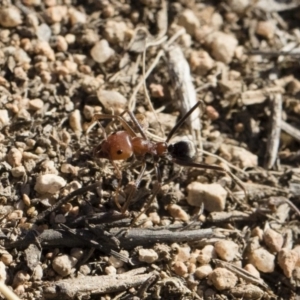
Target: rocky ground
228,229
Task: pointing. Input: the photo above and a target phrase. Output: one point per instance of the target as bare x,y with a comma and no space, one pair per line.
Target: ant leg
156,190
211,167
119,176
97,117
132,189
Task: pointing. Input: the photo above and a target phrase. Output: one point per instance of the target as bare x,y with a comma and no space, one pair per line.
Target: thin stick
274,135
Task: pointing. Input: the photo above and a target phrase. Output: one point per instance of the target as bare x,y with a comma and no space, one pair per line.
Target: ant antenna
181,121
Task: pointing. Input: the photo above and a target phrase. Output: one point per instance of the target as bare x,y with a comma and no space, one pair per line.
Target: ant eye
119,152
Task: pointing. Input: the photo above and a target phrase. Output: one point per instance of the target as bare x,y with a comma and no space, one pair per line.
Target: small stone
4,118
14,157
43,48
21,277
38,273
3,274
110,270
101,52
212,113
55,14
10,16
183,253
18,171
61,43
212,195
177,212
189,21
49,183
287,260
266,29
222,279
263,260
201,62
36,104
227,250
85,269
147,255
115,32
223,46
76,16
180,268
238,154
238,6
273,240
75,122
206,255
6,258
203,271
112,100
63,264
252,270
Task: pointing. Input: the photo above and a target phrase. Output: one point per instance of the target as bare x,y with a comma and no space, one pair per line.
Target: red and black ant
122,145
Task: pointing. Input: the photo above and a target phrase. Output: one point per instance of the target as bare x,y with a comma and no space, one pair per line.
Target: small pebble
20,277
49,183
252,270
112,100
212,113
110,270
177,212
222,279
266,29
223,46
10,16
14,157
203,271
227,250
189,21
180,268
4,117
201,62
76,16
206,255
238,6
75,122
3,274
263,260
6,258
38,273
148,255
18,171
183,253
85,269
55,14
273,240
101,52
63,264
287,260
212,195
115,32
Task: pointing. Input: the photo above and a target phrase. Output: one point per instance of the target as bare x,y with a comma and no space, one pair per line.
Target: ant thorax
183,150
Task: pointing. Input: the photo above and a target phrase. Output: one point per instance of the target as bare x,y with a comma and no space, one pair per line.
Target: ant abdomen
183,150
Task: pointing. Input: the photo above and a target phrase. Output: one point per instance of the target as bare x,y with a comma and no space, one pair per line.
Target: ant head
182,150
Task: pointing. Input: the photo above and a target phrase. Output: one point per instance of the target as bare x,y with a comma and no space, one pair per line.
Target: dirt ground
210,209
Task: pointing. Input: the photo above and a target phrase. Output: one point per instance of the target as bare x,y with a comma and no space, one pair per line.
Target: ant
124,144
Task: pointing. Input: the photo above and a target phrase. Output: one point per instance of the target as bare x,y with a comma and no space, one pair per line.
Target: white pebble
212,195
20,277
3,274
63,264
75,122
49,183
147,255
263,260
238,6
14,157
112,100
38,273
36,104
76,16
222,279
203,271
6,257
101,52
227,250
115,32
4,118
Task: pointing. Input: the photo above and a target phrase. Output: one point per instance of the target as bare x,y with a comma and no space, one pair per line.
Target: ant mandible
124,144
